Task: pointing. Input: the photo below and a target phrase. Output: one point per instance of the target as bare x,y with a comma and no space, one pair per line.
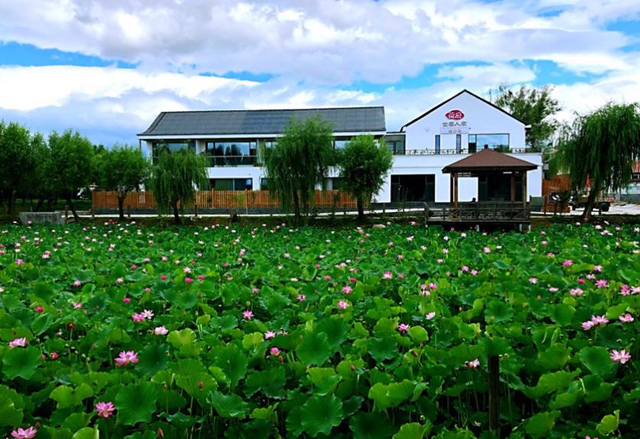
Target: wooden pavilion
502,190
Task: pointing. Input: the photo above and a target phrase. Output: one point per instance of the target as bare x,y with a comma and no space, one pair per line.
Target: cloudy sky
108,67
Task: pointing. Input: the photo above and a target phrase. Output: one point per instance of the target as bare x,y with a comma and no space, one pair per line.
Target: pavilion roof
489,160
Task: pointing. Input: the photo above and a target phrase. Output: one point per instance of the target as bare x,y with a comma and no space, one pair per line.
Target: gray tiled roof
243,122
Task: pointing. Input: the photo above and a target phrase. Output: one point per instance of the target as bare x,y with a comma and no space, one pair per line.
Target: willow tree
122,169
175,177
299,162
363,164
601,148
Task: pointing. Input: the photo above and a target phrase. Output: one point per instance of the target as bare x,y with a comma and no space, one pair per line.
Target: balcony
461,151
232,160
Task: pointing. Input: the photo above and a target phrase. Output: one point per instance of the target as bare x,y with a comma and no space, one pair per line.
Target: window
231,184
396,146
232,153
498,142
458,143
339,144
413,188
437,143
172,146
264,184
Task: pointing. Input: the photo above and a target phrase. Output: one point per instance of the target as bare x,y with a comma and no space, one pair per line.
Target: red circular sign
454,115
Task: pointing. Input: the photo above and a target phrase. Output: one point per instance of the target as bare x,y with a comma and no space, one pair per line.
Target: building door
412,188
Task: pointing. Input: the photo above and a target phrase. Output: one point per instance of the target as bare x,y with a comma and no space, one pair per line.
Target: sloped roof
247,122
452,98
489,160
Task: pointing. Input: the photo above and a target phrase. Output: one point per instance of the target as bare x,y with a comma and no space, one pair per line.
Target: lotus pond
266,332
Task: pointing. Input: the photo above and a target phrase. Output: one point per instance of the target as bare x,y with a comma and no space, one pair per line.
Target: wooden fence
558,184
221,200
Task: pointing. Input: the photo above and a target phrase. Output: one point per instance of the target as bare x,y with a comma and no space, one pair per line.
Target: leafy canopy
123,169
534,107
364,162
72,161
299,162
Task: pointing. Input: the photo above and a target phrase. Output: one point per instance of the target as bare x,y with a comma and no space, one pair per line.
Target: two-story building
234,141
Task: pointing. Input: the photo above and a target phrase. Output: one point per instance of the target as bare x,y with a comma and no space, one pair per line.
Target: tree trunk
12,203
72,207
121,207
591,201
40,203
296,208
176,214
360,209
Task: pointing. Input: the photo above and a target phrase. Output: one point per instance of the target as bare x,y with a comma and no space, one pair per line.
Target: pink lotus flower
188,280
620,356
599,320
126,300
347,289
601,283
431,315
587,325
147,314
473,364
105,409
432,286
160,330
387,275
352,280
137,317
76,305
301,297
403,327
274,351
39,309
77,283
487,250
248,315
567,263
597,268
269,334
581,281
125,358
576,292
54,355
19,262
18,342
553,289
625,290
163,277
342,304
627,318
533,280
29,433
119,280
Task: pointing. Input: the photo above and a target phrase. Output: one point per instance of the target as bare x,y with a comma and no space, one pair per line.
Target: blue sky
107,68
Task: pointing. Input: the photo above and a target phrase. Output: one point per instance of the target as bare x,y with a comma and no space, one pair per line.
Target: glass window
458,143
232,149
231,184
499,142
339,144
437,143
396,146
172,146
264,184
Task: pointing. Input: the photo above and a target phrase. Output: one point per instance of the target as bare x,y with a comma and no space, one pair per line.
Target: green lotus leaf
320,414
371,425
336,330
252,340
228,406
152,359
541,424
383,348
597,360
67,397
314,349
136,403
86,433
10,407
21,362
419,334
325,380
609,423
413,431
498,311
233,363
41,323
270,382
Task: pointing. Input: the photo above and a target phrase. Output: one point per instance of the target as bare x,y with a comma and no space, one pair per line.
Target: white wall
480,118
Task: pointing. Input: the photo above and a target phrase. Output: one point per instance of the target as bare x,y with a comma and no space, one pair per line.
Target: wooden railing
221,200
480,212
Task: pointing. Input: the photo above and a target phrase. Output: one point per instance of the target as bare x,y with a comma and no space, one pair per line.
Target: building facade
234,142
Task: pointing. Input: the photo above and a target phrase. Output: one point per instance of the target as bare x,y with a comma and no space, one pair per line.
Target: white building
459,126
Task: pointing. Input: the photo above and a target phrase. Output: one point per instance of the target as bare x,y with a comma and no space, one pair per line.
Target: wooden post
524,188
128,210
66,211
494,394
195,210
513,187
93,213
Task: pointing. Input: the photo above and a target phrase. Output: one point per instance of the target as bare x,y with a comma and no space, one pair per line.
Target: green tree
534,107
122,169
300,161
39,185
602,148
18,162
363,164
72,164
176,176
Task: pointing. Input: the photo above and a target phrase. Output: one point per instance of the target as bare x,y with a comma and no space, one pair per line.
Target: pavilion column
524,188
451,187
455,193
513,186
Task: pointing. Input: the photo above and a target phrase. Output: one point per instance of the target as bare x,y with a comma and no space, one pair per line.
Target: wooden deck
479,213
